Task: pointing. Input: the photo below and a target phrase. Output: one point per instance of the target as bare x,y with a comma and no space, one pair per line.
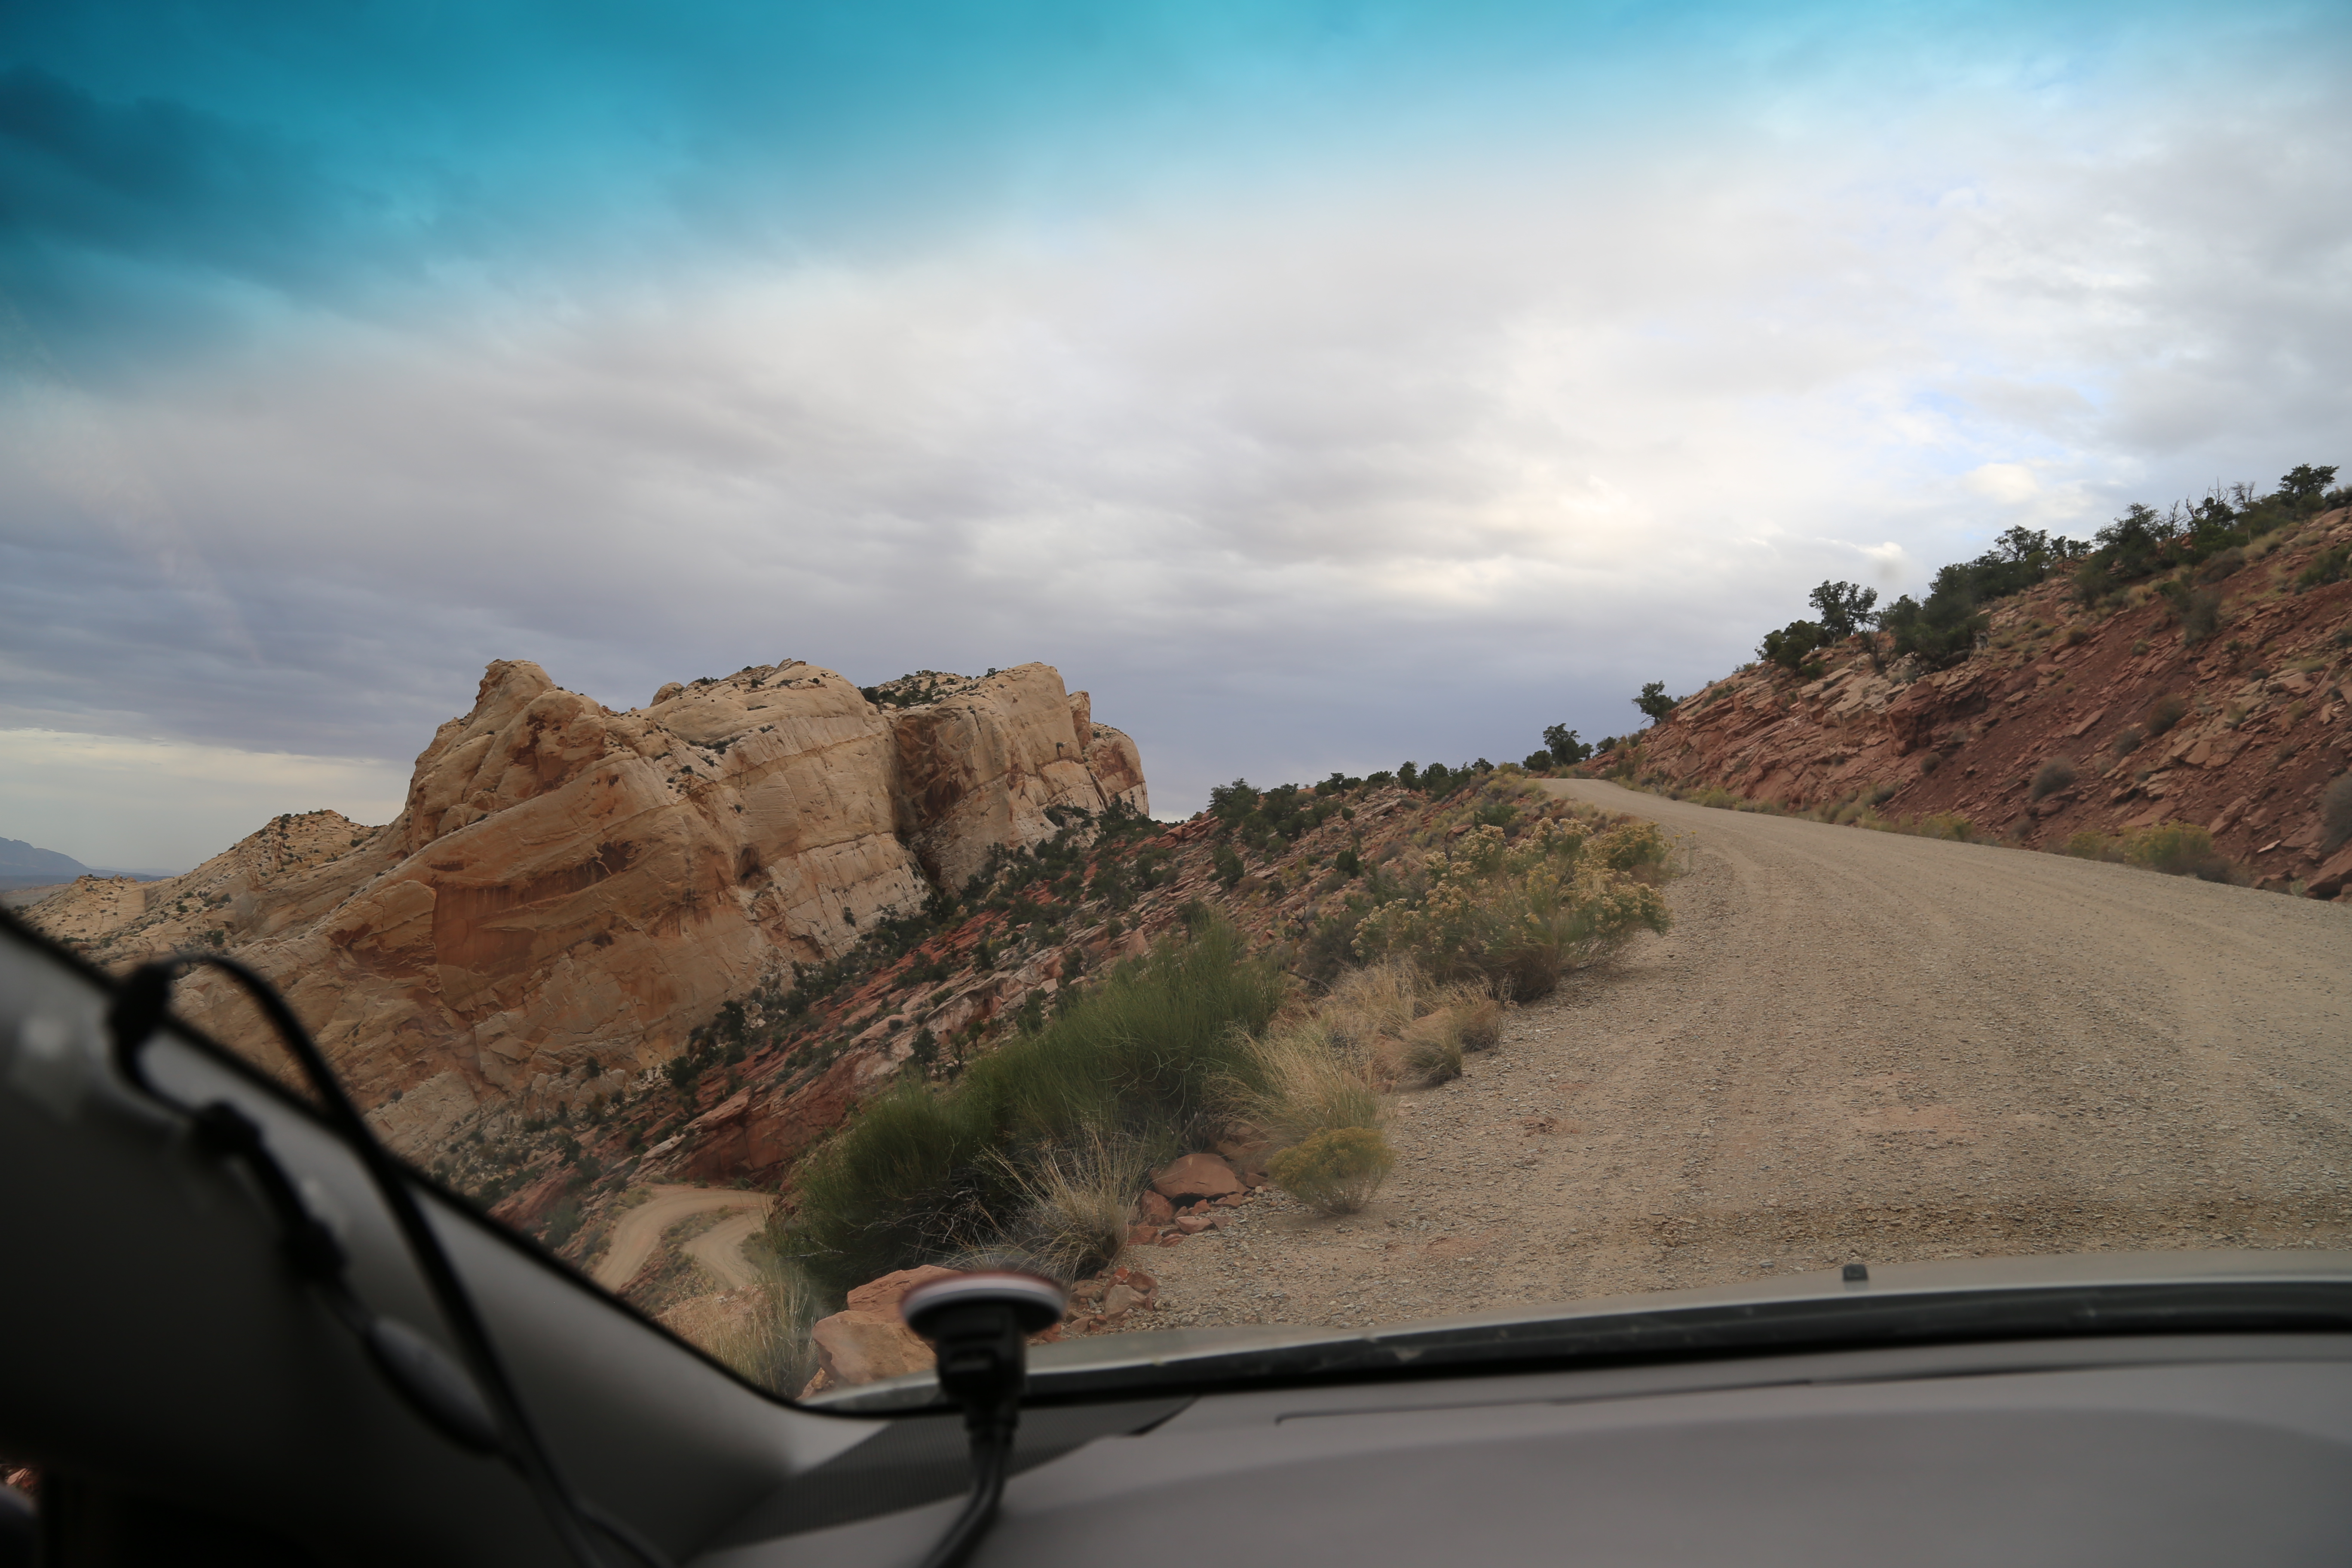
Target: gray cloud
1306,480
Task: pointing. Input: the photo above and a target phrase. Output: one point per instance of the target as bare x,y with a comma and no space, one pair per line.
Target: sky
1319,385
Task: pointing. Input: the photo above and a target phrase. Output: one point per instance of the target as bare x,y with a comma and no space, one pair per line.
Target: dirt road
720,1249
640,1231
1852,1046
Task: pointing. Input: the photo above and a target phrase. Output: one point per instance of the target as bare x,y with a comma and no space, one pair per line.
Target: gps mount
978,1326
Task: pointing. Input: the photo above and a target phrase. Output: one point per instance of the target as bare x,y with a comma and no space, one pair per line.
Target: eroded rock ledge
570,887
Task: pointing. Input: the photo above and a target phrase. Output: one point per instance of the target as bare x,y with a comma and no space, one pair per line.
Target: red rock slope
2261,726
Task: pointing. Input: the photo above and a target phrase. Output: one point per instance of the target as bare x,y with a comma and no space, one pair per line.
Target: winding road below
720,1249
1852,1046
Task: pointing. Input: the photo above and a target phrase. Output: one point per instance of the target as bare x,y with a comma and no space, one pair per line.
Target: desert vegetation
2053,775
2335,813
2176,848
1126,1077
2183,550
1039,1147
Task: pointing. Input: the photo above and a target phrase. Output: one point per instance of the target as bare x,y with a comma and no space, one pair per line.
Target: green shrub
2127,740
2336,812
1520,915
2199,610
1228,865
1560,745
2164,713
2327,566
2093,845
1793,645
1335,1172
2053,776
1943,631
2178,850
1143,1058
1845,608
1304,1079
1947,824
2225,563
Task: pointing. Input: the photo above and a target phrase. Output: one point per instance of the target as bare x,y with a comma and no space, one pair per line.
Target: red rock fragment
1196,1176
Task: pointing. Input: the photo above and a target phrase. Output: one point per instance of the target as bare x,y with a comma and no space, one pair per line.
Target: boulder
1153,1209
867,1339
854,1346
1194,1178
2332,877
884,1295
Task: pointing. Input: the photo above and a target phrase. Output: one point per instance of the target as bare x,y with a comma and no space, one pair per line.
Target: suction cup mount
978,1326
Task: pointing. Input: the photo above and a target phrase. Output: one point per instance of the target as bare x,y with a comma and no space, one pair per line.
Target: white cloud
2011,484
1309,477
161,805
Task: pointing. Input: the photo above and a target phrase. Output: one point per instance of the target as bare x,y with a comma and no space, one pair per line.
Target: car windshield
1308,668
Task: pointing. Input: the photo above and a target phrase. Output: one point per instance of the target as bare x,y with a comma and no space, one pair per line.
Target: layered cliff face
570,889
2068,721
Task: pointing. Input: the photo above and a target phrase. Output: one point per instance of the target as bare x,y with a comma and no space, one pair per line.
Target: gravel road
640,1231
1852,1046
720,1249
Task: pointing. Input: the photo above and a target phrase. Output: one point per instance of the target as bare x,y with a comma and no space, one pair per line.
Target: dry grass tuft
1309,1080
1376,1001
1482,1023
2164,713
1078,1201
1431,1051
762,1332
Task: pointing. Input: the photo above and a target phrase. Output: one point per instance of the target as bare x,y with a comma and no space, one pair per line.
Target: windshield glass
1304,667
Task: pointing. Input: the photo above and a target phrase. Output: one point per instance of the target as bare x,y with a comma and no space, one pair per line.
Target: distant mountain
24,865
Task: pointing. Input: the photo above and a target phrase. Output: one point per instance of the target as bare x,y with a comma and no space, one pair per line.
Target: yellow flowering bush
1522,914
1337,1170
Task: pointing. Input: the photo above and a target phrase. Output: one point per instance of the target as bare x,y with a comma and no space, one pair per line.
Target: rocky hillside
572,892
121,919
778,1068
2069,720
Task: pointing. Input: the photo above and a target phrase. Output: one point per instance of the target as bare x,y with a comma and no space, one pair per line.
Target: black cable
992,1456
141,1004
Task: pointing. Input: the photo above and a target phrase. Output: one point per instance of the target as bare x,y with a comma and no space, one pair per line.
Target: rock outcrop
571,889
122,919
2124,722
